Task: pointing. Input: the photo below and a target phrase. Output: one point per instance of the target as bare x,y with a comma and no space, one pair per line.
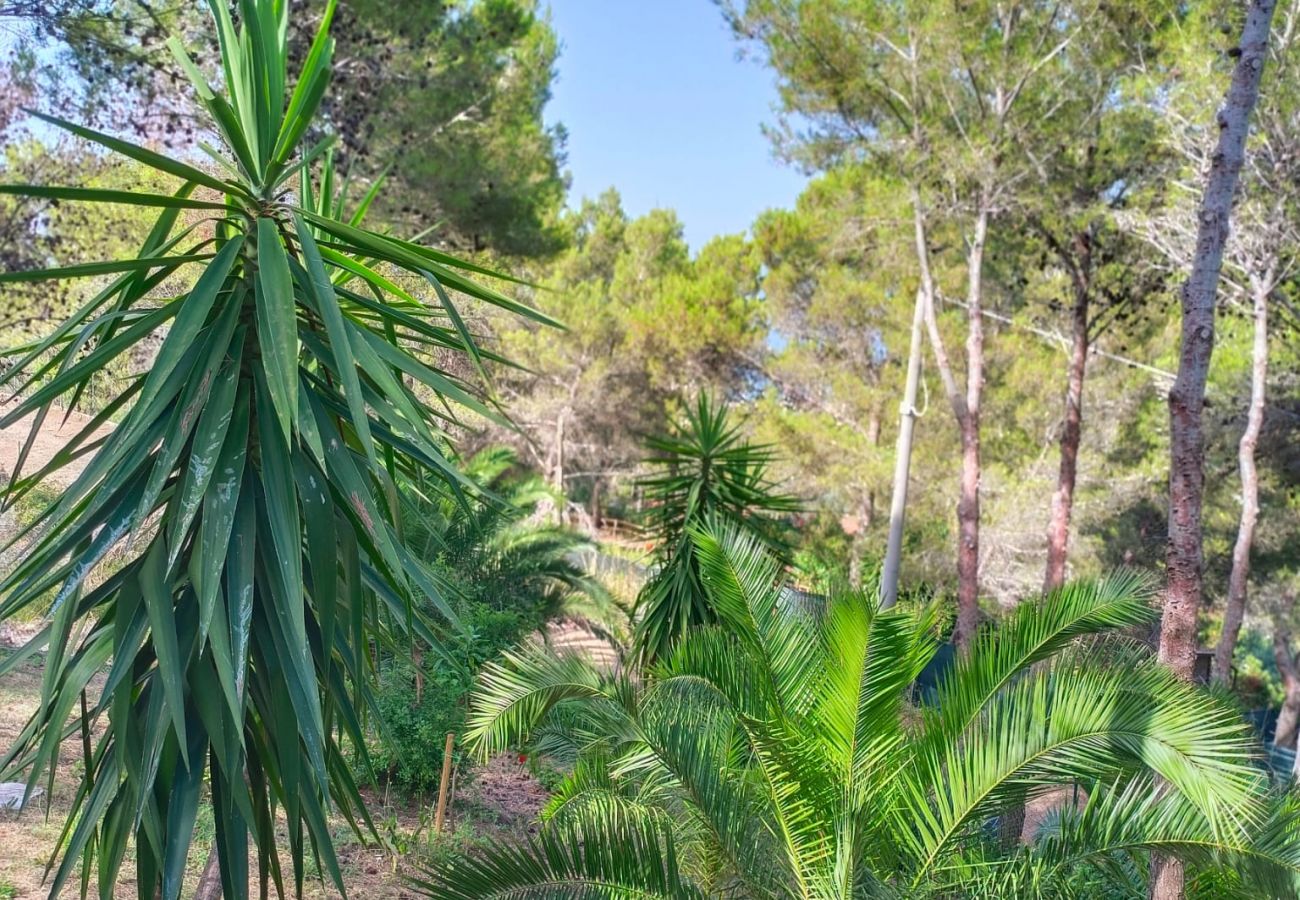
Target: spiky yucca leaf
251,479
704,474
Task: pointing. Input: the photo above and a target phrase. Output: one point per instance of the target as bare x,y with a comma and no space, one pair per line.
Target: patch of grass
13,521
8,890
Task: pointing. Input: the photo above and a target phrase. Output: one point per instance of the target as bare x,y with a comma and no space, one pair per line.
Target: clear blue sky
657,105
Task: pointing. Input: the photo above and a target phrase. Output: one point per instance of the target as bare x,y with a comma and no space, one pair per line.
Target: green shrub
411,750
409,753
506,575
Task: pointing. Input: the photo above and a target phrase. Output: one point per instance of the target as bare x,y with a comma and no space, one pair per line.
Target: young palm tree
776,755
495,552
704,473
254,471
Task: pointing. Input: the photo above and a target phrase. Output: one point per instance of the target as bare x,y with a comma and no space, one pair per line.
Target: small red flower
522,759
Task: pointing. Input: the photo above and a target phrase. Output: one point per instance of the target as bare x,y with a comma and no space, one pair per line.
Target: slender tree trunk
210,881
1286,719
1058,528
1295,766
857,549
965,409
866,511
1285,733
417,662
968,506
907,415
557,472
1235,609
1187,398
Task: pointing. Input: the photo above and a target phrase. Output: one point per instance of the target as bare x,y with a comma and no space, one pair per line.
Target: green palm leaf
598,854
780,748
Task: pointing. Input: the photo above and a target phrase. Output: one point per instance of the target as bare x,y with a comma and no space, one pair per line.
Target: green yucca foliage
776,754
253,478
704,474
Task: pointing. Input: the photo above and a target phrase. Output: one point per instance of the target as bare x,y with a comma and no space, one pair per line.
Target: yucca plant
777,755
703,472
254,472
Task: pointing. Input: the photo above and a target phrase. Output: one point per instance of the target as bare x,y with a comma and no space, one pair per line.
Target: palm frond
1078,719
873,658
600,851
746,583
1036,630
515,695
1138,817
779,748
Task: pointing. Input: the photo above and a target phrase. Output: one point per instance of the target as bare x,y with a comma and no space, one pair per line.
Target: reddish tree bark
968,506
1058,527
866,510
1235,609
1285,733
1187,397
966,410
209,887
968,534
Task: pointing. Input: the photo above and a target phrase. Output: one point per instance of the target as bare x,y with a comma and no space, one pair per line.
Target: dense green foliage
777,754
280,516
446,97
505,574
500,550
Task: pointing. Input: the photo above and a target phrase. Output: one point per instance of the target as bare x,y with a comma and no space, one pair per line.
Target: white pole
903,460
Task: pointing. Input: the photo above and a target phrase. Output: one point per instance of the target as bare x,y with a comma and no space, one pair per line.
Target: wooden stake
444,783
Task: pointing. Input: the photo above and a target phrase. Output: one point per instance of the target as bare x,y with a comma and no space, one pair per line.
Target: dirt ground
56,431
497,802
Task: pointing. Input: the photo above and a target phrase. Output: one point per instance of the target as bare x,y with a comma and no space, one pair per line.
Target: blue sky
657,105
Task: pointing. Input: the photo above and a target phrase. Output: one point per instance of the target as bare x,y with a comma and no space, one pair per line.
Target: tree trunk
968,505
557,472
857,549
1187,398
1235,609
210,881
965,409
866,511
968,535
1287,717
1058,528
1285,733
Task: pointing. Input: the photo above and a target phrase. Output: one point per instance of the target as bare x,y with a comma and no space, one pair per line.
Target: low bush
408,752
